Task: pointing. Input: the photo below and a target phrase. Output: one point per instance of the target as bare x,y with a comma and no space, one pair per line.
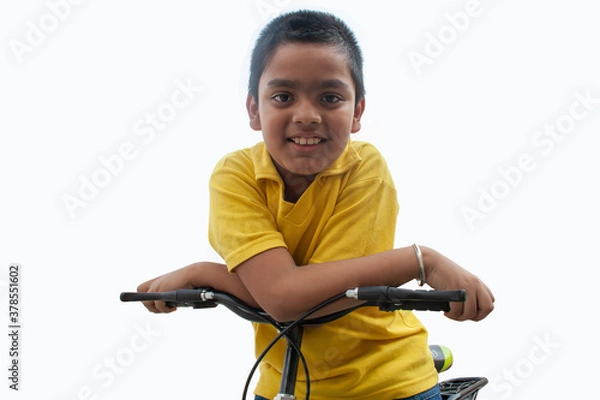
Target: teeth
306,141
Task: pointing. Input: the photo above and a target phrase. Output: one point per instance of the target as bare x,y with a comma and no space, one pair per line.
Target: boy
307,214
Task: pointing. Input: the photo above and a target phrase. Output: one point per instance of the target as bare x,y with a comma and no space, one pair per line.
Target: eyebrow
293,84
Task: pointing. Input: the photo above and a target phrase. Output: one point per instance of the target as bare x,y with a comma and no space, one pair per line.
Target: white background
74,94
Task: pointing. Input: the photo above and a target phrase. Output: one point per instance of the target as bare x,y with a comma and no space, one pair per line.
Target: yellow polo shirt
349,211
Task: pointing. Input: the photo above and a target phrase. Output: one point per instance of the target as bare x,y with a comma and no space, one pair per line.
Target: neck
295,185
293,193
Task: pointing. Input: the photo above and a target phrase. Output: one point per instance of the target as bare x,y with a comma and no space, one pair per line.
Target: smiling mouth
303,141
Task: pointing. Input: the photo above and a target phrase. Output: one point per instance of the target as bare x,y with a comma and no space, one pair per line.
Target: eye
282,98
331,98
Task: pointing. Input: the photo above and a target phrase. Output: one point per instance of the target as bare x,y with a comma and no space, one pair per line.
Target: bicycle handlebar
390,298
202,298
387,298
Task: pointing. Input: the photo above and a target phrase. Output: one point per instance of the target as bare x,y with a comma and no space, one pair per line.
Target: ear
252,108
358,112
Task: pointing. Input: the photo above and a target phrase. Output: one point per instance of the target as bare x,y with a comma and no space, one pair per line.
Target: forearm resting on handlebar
199,274
272,282
216,276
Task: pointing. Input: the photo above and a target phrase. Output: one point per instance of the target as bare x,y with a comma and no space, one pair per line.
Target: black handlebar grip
381,293
143,296
196,298
374,293
181,295
427,295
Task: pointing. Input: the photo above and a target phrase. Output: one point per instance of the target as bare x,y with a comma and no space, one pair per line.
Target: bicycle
387,298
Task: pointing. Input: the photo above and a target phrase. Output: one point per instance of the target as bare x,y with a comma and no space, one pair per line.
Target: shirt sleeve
240,223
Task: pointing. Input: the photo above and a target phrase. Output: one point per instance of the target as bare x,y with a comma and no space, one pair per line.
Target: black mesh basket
462,388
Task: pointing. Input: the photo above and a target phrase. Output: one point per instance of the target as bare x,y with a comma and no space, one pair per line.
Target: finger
490,293
158,307
143,287
150,306
477,307
162,307
485,305
471,306
456,310
465,310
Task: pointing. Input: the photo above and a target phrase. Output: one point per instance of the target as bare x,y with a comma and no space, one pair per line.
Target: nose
306,113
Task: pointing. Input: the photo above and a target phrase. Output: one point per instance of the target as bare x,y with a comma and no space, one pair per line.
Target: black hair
306,26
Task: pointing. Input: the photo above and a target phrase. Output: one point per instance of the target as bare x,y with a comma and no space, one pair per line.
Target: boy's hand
199,274
171,281
444,274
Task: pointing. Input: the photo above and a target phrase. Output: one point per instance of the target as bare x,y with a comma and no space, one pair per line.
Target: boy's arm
273,282
286,291
200,274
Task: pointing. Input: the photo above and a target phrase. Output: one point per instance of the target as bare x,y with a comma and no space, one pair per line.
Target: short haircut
306,26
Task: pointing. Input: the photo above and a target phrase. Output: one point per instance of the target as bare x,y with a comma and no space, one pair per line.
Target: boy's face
306,108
